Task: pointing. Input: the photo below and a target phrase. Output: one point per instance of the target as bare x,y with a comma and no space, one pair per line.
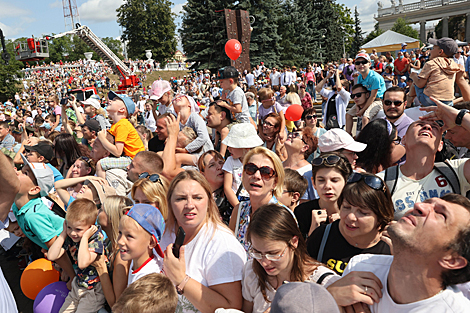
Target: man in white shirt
459,58
275,77
430,257
250,78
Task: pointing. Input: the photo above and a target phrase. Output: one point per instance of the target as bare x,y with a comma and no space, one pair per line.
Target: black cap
43,148
447,44
227,72
92,125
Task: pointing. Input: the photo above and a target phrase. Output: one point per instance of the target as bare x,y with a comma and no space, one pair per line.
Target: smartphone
178,242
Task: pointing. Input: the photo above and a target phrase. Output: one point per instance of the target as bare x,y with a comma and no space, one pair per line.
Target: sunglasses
361,62
330,160
357,95
395,103
309,117
294,135
86,159
268,124
372,181
153,178
265,171
397,141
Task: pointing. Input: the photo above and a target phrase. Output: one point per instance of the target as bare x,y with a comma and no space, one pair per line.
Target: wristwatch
459,118
180,287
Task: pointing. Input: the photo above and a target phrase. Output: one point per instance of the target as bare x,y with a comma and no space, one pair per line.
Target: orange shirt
124,132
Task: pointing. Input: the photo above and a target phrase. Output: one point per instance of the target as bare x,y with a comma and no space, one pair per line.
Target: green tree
203,33
347,24
59,49
264,43
375,33
148,25
358,34
114,45
455,23
9,73
402,26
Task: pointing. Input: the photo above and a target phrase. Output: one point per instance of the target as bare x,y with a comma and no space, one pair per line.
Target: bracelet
459,118
180,287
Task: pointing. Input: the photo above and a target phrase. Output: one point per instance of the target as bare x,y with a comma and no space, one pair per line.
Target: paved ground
9,264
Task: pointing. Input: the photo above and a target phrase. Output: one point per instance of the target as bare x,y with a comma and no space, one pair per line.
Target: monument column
467,29
445,26
422,31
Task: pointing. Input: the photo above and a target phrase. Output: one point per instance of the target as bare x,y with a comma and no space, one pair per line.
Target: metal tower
70,14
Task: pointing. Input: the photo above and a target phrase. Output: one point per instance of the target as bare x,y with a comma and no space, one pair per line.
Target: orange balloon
36,276
233,49
294,112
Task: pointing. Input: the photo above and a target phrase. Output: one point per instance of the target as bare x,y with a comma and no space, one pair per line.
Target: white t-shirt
235,167
237,96
251,291
213,257
7,301
304,169
450,300
250,79
275,78
152,265
150,121
409,191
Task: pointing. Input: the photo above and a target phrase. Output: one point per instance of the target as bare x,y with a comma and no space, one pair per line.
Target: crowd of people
200,194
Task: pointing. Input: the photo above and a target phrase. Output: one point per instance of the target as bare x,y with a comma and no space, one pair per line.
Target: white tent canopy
390,41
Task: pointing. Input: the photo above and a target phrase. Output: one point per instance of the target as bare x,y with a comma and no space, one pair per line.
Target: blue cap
130,105
151,219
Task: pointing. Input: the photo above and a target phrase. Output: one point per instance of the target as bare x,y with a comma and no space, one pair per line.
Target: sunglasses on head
358,94
265,171
330,160
153,178
395,103
372,181
361,62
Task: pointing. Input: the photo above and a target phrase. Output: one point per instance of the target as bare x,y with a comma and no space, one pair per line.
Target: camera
64,100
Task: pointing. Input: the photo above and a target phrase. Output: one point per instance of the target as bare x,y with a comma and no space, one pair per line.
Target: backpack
444,168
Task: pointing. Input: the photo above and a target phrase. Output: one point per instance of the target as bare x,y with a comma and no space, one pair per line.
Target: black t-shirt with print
303,214
338,251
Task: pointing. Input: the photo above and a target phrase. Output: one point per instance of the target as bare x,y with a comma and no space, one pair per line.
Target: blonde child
127,140
240,139
235,99
85,242
140,230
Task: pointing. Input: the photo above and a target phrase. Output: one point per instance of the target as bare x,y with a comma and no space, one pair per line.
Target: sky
24,18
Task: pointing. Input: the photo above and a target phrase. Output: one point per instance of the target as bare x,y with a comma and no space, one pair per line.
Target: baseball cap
447,44
93,102
151,219
103,191
43,148
227,72
303,297
44,175
337,139
92,125
403,77
159,87
242,135
130,106
363,55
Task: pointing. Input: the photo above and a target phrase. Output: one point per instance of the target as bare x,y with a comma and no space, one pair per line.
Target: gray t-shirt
238,96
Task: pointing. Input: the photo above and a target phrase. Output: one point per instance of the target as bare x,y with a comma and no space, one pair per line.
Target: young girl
279,254
330,172
240,139
83,166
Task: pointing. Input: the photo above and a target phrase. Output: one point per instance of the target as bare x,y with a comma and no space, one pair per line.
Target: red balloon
233,49
294,112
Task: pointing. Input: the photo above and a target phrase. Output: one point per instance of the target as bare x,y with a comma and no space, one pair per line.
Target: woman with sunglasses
208,272
383,146
263,179
269,105
151,189
366,208
309,117
305,97
299,146
271,127
330,172
279,254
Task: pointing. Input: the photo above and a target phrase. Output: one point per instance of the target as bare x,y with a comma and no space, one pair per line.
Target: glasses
372,181
270,257
265,171
361,62
397,140
330,160
153,178
266,123
357,95
294,135
309,117
395,103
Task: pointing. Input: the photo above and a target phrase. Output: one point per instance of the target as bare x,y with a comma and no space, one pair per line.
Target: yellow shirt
124,132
